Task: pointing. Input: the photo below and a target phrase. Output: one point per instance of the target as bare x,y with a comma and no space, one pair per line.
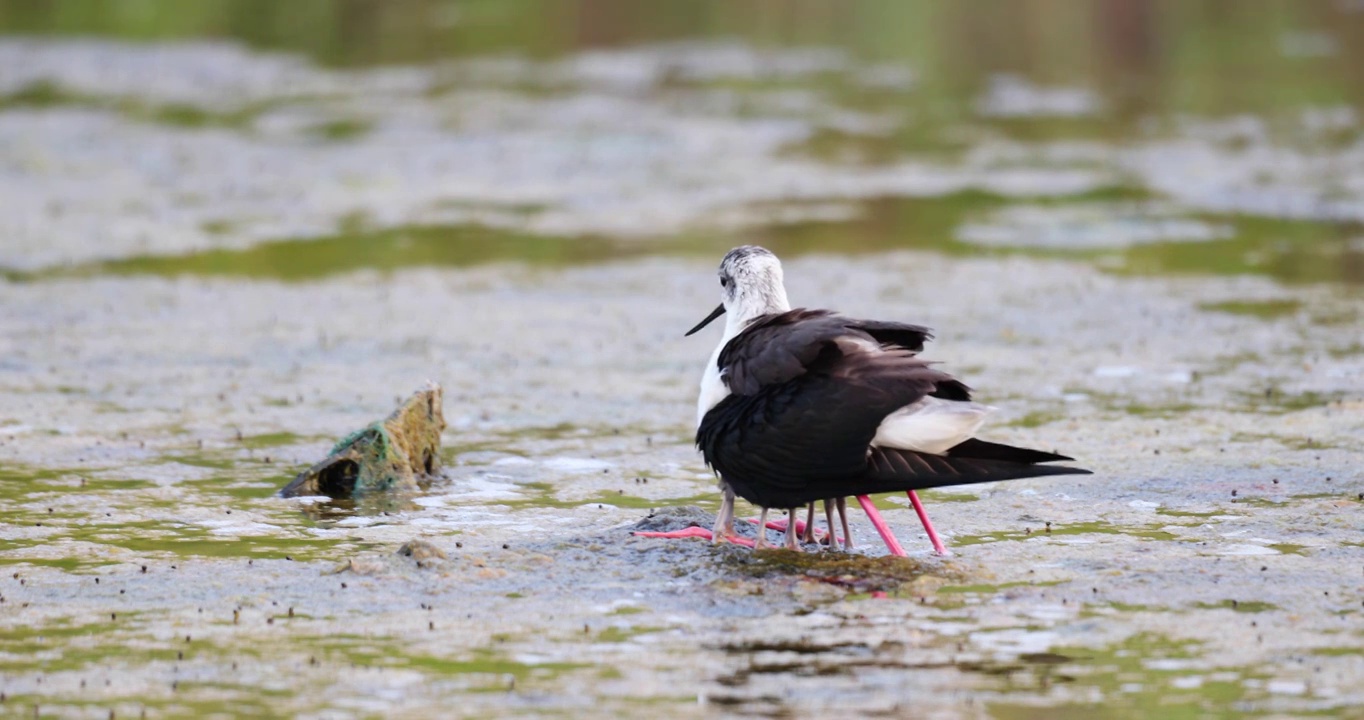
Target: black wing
893,334
984,450
779,347
812,431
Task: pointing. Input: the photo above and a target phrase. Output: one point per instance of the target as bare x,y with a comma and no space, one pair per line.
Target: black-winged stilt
804,405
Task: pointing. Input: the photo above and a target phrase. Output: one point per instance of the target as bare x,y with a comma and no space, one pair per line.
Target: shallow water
219,256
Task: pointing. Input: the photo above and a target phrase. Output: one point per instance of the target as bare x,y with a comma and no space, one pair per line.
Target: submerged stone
391,455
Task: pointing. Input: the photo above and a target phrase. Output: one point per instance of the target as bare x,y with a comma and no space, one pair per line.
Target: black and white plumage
804,405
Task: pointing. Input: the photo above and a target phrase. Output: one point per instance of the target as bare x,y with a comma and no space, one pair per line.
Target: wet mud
1208,558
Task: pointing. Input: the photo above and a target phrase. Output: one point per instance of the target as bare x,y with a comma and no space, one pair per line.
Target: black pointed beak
714,314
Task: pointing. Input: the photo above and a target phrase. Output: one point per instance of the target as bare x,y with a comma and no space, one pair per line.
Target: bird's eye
724,282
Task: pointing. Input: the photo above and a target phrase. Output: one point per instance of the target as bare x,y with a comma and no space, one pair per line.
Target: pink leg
928,524
692,532
780,526
881,527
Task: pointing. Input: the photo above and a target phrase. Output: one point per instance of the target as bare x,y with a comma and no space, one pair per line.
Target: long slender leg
791,532
724,518
832,537
881,527
843,520
761,543
809,534
779,524
928,524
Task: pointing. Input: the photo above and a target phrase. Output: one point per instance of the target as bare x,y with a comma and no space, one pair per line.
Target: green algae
1188,513
1129,607
1159,411
45,94
490,664
1132,679
884,224
943,496
218,461
614,634
1263,309
356,247
38,94
68,644
487,669
75,566
125,524
1275,400
990,589
1239,606
858,573
341,130
1036,418
1338,651
1153,532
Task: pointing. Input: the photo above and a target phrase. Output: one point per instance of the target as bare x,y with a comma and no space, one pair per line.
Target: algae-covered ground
219,259
1213,561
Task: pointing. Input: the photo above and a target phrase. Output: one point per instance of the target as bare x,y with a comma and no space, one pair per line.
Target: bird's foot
691,532
736,539
695,532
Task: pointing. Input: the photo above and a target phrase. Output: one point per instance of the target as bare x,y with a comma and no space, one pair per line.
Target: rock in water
393,454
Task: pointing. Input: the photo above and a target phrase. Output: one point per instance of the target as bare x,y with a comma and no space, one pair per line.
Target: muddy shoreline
1213,543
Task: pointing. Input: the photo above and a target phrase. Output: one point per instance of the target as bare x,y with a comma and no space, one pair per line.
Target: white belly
713,387
930,425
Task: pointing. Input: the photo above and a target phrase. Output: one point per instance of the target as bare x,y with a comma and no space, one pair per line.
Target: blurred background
314,136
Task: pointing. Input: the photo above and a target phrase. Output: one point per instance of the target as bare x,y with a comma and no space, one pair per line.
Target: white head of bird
751,285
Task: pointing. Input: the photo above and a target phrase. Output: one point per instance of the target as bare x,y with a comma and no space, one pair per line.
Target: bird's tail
985,450
974,461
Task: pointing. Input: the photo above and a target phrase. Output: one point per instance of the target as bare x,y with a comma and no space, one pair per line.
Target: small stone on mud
421,550
358,566
669,519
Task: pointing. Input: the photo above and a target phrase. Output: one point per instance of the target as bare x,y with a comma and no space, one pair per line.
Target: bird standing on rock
804,405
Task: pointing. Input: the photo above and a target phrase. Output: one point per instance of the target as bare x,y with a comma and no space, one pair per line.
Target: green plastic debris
394,454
